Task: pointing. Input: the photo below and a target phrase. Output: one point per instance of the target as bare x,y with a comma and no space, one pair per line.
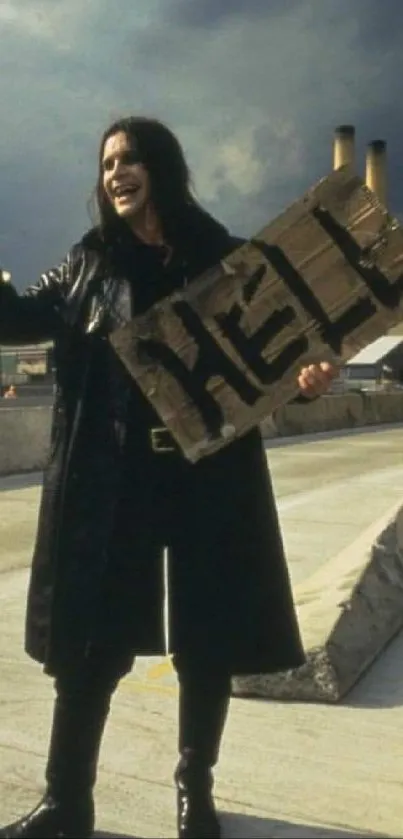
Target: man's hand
316,379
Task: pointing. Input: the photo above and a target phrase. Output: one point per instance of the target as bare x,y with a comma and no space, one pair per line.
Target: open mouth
126,191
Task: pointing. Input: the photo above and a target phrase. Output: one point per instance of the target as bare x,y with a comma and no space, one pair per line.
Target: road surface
287,770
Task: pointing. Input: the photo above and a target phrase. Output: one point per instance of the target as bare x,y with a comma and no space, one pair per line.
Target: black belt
162,442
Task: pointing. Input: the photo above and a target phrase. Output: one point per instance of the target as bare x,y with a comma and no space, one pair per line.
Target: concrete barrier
348,611
24,438
333,412
25,427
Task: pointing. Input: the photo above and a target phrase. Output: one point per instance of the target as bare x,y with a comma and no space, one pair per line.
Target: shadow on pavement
237,826
99,834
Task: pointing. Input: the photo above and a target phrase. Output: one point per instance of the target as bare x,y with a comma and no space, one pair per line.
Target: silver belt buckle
160,440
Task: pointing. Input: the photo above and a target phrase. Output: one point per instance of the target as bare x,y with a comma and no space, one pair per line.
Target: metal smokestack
344,146
375,173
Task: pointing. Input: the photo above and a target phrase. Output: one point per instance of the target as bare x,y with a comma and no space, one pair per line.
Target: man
117,491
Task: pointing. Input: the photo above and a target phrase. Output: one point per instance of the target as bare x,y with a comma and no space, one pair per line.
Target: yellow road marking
134,686
158,671
148,678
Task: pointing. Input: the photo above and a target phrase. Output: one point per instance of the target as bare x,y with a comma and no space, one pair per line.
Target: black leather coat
109,505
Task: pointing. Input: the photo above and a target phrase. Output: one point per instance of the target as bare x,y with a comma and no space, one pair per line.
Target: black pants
102,670
82,707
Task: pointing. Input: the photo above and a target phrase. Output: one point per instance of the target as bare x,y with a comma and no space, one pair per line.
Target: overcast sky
254,89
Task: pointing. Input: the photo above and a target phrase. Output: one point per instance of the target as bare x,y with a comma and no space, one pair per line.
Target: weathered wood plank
319,282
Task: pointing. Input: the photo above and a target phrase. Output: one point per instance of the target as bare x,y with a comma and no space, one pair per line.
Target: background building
28,368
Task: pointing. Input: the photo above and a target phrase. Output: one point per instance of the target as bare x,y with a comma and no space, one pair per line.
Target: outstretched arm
36,314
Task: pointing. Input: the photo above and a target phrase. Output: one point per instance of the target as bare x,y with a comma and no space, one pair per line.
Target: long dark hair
186,225
171,185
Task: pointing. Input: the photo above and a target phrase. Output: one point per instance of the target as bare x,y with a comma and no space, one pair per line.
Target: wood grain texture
320,282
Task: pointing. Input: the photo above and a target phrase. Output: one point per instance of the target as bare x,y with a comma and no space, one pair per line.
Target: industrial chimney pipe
344,146
375,173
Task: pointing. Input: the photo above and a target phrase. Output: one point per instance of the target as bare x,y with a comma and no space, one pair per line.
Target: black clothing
110,504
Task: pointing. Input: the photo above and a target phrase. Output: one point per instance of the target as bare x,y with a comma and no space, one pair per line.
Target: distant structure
378,364
375,161
28,367
344,152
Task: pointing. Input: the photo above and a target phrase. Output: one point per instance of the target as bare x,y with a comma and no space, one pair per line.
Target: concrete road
329,488
332,487
287,770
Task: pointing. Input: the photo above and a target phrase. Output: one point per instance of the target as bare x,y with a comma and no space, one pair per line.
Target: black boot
67,808
203,706
53,818
197,817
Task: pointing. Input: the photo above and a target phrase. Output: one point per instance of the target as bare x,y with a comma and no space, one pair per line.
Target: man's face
125,180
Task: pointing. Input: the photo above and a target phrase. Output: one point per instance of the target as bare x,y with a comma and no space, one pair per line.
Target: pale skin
127,185
123,171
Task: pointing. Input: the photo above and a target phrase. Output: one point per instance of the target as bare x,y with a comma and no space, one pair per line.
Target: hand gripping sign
318,283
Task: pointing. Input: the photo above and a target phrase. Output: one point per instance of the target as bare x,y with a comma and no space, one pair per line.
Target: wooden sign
320,282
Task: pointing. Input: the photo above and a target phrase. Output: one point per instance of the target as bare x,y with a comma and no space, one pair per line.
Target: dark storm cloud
254,90
380,24
209,13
